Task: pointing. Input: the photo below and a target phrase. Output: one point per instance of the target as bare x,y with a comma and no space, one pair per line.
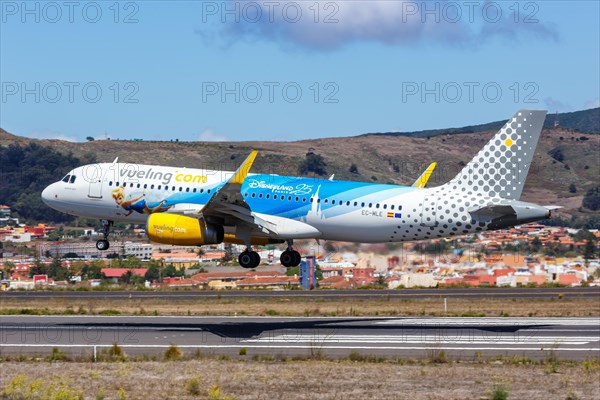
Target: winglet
242,171
422,180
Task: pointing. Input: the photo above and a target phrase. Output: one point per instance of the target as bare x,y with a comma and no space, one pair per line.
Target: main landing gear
290,257
103,244
249,258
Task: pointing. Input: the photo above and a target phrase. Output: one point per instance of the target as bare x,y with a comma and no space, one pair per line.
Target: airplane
186,206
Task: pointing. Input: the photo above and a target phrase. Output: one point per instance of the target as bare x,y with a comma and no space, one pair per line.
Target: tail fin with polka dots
501,167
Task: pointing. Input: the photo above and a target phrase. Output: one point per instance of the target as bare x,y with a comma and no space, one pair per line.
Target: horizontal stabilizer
490,212
552,207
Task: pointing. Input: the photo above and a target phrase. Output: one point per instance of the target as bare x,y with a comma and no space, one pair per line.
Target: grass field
210,378
289,306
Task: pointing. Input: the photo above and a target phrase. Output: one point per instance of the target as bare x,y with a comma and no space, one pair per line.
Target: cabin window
370,205
208,191
362,204
311,199
274,197
385,206
326,201
202,191
173,188
318,200
377,205
332,201
151,186
145,186
245,194
253,194
268,196
159,187
296,198
187,189
289,198
399,208
117,184
194,190
110,183
304,199
260,196
180,188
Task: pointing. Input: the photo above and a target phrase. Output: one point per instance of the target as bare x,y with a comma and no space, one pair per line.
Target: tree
536,245
153,273
572,188
89,139
557,154
353,169
313,163
9,268
591,200
589,249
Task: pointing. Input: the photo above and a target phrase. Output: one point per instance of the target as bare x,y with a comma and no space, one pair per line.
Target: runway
492,292
462,338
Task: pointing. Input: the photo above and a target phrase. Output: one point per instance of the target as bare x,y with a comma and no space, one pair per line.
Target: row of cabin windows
326,201
158,187
260,195
69,179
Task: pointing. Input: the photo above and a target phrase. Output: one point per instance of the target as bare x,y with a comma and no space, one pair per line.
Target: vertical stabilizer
501,167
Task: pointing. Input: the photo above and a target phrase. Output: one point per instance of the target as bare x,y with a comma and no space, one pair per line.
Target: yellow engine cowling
181,230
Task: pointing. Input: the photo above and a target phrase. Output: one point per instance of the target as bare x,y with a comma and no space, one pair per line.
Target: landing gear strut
249,259
103,244
290,257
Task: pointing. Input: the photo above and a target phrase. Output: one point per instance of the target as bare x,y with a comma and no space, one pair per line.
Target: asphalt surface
493,292
464,338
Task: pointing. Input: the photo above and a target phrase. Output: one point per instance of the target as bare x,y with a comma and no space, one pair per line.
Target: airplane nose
48,195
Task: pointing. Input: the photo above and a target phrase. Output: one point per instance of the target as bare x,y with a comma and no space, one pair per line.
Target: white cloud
556,105
52,135
592,104
327,25
209,135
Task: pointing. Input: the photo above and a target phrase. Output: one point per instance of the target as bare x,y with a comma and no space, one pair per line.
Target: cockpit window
72,180
66,178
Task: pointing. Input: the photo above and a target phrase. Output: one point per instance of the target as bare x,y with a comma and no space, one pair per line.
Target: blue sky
191,70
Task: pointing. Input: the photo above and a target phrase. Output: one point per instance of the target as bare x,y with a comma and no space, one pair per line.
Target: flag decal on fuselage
394,215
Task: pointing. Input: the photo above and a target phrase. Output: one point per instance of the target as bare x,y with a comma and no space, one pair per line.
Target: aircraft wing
422,180
228,204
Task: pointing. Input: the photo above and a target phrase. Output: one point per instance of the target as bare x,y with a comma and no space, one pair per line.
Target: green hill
586,121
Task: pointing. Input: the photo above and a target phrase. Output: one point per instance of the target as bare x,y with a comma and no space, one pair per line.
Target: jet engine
180,230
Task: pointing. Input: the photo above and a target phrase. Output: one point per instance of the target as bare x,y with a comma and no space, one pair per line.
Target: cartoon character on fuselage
137,204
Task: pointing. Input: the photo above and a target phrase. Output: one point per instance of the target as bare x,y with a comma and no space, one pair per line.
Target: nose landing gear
103,244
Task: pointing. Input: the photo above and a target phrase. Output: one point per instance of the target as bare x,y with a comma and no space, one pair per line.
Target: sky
288,70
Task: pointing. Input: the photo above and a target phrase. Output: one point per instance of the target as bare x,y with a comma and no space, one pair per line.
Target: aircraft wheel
287,259
256,258
249,259
102,245
297,258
